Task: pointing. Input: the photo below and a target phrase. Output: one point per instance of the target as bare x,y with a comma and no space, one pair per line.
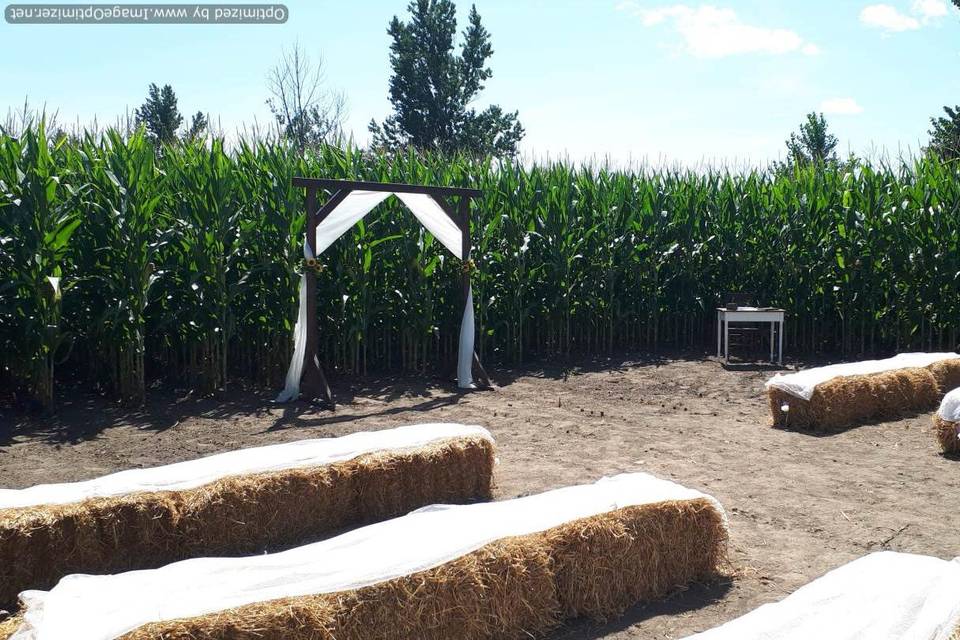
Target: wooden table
749,314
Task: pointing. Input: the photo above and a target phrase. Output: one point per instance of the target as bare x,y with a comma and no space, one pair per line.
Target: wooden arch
313,382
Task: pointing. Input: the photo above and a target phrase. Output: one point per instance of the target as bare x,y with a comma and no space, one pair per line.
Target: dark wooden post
313,383
467,248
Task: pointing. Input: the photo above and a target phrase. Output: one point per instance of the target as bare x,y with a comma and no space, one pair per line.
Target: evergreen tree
945,134
160,115
431,87
198,126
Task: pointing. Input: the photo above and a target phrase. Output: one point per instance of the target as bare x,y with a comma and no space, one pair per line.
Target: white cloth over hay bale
470,571
946,423
841,395
234,503
882,596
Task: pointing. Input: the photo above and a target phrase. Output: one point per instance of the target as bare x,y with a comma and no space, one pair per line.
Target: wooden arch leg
478,367
313,384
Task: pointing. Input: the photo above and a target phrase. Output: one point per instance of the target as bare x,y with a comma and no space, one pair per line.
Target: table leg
772,325
726,341
719,322
780,350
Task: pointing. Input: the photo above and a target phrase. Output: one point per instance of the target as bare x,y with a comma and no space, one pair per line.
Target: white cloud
712,32
888,18
891,19
930,9
840,106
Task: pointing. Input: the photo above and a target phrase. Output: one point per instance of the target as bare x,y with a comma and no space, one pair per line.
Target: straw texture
516,587
948,435
848,400
239,515
9,625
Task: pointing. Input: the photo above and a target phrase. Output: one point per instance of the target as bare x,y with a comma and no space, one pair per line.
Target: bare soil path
799,504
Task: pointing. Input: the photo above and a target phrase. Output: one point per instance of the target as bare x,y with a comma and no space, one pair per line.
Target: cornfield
122,263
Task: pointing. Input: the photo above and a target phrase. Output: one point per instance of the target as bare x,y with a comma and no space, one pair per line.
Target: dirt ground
799,504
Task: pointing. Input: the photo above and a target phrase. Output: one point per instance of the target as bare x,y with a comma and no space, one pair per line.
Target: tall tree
431,87
945,134
159,114
812,143
306,111
198,126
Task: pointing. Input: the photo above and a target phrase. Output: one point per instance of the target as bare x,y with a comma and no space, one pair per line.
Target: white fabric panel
465,352
432,216
882,596
195,473
950,407
803,383
291,385
83,607
346,214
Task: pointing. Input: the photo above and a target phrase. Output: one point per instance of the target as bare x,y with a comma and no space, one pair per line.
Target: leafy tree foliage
431,87
161,116
198,126
813,143
945,134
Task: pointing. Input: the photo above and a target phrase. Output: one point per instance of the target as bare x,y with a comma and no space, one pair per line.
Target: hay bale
238,515
517,587
845,401
948,435
947,373
946,423
9,625
511,569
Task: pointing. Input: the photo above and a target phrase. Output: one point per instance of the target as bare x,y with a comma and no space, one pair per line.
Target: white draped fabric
351,210
950,407
881,596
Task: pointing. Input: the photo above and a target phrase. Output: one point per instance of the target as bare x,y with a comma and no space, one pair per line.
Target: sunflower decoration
469,266
314,264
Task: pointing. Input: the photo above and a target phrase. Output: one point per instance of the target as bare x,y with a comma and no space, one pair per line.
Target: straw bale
517,587
947,433
947,373
238,515
9,625
845,401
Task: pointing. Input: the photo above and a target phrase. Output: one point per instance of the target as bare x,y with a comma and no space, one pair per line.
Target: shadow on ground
695,597
83,415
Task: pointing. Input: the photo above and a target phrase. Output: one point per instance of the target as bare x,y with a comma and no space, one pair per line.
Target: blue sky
629,80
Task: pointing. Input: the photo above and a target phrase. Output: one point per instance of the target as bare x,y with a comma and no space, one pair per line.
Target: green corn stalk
123,215
37,220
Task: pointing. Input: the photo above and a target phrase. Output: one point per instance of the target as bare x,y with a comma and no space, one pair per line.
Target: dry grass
9,625
948,435
240,515
517,587
848,400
